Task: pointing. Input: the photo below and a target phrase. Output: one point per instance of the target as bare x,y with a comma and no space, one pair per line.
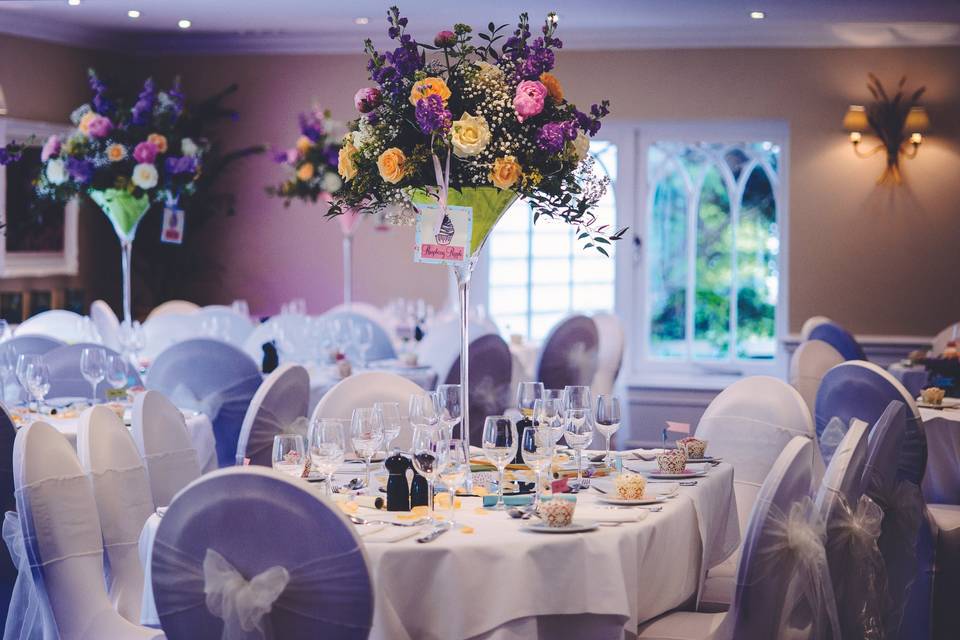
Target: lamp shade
917,120
856,119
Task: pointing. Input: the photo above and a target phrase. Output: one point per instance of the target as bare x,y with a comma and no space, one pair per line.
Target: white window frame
632,276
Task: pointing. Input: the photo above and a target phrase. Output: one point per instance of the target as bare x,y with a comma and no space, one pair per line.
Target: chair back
212,377
34,344
811,324
381,347
172,307
161,438
569,354
121,489
66,378
279,406
440,348
8,570
107,324
294,333
840,339
810,362
254,524
223,323
61,324
163,331
609,352
491,368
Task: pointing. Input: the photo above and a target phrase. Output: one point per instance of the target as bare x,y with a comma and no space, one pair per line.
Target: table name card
443,235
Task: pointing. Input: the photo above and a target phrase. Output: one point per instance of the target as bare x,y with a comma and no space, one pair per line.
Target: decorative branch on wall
898,120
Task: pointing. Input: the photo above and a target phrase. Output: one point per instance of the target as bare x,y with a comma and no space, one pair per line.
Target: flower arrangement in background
480,114
312,161
12,152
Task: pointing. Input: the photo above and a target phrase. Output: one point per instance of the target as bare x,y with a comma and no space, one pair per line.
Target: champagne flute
449,409
428,454
548,413
289,454
527,394
423,411
536,447
607,419
388,415
454,469
93,367
366,435
327,448
579,433
500,447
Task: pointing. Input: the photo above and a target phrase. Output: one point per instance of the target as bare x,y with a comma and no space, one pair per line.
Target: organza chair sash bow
328,590
233,397
26,618
265,427
796,540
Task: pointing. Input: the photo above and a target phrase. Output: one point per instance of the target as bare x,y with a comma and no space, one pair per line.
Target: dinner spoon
414,523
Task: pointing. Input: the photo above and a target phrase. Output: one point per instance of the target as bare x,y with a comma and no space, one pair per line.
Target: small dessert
695,447
630,486
557,512
672,461
933,395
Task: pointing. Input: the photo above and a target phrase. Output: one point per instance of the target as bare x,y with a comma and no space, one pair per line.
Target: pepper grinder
398,491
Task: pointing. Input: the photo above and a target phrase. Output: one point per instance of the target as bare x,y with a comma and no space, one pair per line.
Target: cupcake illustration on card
444,231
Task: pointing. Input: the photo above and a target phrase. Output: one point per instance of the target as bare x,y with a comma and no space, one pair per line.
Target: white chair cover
231,326
8,565
811,324
62,540
214,378
363,390
368,311
107,324
172,306
950,334
279,406
297,332
109,456
491,367
307,579
63,325
609,352
163,331
66,379
569,354
382,346
440,348
810,362
161,438
38,345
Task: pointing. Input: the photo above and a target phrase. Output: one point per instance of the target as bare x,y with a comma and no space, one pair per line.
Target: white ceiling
324,26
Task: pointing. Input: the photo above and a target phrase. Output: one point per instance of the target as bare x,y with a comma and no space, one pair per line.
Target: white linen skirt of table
941,482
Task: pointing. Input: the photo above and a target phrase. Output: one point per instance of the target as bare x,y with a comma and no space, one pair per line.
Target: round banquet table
941,482
324,378
501,581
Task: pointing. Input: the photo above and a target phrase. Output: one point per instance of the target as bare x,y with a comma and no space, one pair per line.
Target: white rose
56,171
145,175
470,135
188,147
488,70
331,182
581,145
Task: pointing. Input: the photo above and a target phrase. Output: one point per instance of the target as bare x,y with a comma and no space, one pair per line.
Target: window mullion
735,198
693,211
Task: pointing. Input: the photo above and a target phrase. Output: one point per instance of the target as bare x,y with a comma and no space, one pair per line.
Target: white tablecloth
941,482
503,582
914,378
322,379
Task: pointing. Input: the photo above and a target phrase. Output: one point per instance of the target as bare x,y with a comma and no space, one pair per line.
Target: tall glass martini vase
125,213
488,204
349,221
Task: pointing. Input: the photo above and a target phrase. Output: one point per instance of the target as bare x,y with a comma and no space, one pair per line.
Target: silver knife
433,535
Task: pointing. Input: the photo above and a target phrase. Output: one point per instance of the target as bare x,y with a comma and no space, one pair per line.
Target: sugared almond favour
630,486
933,395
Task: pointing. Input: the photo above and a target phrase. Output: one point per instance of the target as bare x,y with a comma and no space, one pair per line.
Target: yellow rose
159,141
116,152
305,172
505,172
553,86
303,144
84,124
470,135
345,164
429,87
391,165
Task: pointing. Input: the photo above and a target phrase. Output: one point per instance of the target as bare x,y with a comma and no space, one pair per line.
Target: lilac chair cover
569,354
260,525
214,378
490,370
31,344
66,380
810,324
380,349
56,323
8,569
279,406
840,339
223,323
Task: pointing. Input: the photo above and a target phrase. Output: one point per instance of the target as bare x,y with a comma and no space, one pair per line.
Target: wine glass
579,433
366,435
8,369
577,397
240,306
500,447
423,411
116,371
527,394
362,333
24,360
327,448
454,469
548,413
449,409
607,418
133,340
289,455
38,382
536,447
93,366
388,415
428,453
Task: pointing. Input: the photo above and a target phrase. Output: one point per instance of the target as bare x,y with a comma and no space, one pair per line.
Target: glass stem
453,509
347,268
367,480
430,491
93,396
500,503
606,458
329,485
579,472
463,274
537,489
126,255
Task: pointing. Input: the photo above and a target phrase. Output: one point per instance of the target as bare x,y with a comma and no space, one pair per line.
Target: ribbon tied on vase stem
242,604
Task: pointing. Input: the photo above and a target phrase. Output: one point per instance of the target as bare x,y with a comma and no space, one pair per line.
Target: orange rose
346,167
505,172
305,172
391,165
428,87
159,141
303,144
84,124
553,86
116,152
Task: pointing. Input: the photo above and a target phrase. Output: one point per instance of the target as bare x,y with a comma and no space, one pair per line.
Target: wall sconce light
897,120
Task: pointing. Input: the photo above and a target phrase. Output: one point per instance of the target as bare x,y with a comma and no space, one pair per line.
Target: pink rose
529,99
367,99
50,148
292,156
99,127
145,153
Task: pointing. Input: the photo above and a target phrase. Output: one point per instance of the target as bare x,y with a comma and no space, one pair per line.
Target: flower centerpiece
126,158
477,123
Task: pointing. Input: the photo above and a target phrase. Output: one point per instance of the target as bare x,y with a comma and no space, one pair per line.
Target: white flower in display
331,182
489,71
145,176
56,171
189,147
470,135
581,145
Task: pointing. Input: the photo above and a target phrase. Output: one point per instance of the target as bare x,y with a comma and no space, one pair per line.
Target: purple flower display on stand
312,161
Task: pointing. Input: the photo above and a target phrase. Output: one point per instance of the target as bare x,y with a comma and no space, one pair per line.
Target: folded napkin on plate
389,533
601,514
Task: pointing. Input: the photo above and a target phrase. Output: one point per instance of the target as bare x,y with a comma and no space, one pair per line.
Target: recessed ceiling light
361,20
184,24
758,15
73,3
133,13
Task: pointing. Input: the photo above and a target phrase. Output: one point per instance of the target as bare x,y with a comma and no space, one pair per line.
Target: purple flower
554,135
432,116
445,39
50,148
405,58
311,126
184,164
331,155
80,170
99,127
538,59
101,103
145,152
9,154
590,123
366,99
143,108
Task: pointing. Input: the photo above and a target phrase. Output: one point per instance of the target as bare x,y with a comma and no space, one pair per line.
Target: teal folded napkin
510,501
